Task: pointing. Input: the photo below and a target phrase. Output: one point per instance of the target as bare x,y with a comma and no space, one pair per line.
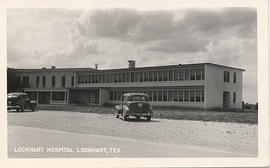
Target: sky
65,38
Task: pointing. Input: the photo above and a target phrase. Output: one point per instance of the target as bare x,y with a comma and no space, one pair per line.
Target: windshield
138,98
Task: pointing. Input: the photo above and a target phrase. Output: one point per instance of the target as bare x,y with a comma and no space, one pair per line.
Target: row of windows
227,76
144,76
25,81
164,95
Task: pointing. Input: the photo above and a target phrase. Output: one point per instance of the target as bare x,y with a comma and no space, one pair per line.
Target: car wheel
22,108
148,118
138,117
17,110
33,108
116,114
125,118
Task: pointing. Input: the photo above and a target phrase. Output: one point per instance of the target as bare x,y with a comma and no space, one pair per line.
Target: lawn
249,117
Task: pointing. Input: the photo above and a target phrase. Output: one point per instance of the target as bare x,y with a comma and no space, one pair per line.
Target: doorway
226,100
93,98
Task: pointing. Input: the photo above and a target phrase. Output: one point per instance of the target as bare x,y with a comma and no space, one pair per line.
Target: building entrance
226,100
93,98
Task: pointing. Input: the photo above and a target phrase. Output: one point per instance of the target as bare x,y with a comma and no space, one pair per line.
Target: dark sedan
20,102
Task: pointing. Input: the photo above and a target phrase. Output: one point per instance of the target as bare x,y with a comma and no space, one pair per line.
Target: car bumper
138,114
13,107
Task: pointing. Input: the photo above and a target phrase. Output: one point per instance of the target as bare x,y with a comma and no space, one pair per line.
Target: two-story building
203,85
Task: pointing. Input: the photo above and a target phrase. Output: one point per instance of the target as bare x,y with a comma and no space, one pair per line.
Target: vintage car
134,104
20,102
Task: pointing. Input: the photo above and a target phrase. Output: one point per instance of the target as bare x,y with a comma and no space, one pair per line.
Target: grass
249,117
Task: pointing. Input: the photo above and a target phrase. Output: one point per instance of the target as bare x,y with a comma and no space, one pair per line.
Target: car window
26,98
138,98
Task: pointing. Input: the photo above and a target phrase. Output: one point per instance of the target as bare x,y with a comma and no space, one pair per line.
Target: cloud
77,38
164,31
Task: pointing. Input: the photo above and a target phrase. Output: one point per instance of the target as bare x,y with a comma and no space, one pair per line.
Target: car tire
116,114
17,110
22,108
148,118
125,118
138,118
33,108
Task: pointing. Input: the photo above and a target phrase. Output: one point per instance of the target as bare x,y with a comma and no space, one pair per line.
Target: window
150,94
198,74
198,96
111,95
25,81
155,75
186,74
141,76
128,77
176,74
37,81
192,96
186,96
170,94
132,76
146,76
165,75
44,81
234,77
165,96
114,95
137,76
53,81
63,81
170,75
99,78
154,95
159,95
175,95
192,74
58,96
181,74
226,76
202,74
234,97
72,81
150,76
119,76
115,77
202,96
119,95
124,77
181,95
160,76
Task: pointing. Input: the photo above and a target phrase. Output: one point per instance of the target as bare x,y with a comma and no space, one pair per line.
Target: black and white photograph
133,83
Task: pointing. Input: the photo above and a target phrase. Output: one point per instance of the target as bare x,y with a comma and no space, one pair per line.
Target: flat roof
121,69
172,66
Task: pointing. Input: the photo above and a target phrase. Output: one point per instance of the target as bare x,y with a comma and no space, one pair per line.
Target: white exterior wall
215,85
58,78
104,96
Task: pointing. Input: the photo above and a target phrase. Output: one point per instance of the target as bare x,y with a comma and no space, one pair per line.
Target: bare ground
235,137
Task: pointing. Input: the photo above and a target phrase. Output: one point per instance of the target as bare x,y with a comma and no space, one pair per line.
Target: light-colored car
134,104
20,102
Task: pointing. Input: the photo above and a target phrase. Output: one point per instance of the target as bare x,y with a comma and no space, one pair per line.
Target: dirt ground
235,137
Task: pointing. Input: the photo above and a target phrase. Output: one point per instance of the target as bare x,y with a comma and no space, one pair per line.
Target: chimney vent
131,63
44,68
53,67
96,66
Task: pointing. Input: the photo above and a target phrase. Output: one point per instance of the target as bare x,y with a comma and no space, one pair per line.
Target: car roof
16,94
135,94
